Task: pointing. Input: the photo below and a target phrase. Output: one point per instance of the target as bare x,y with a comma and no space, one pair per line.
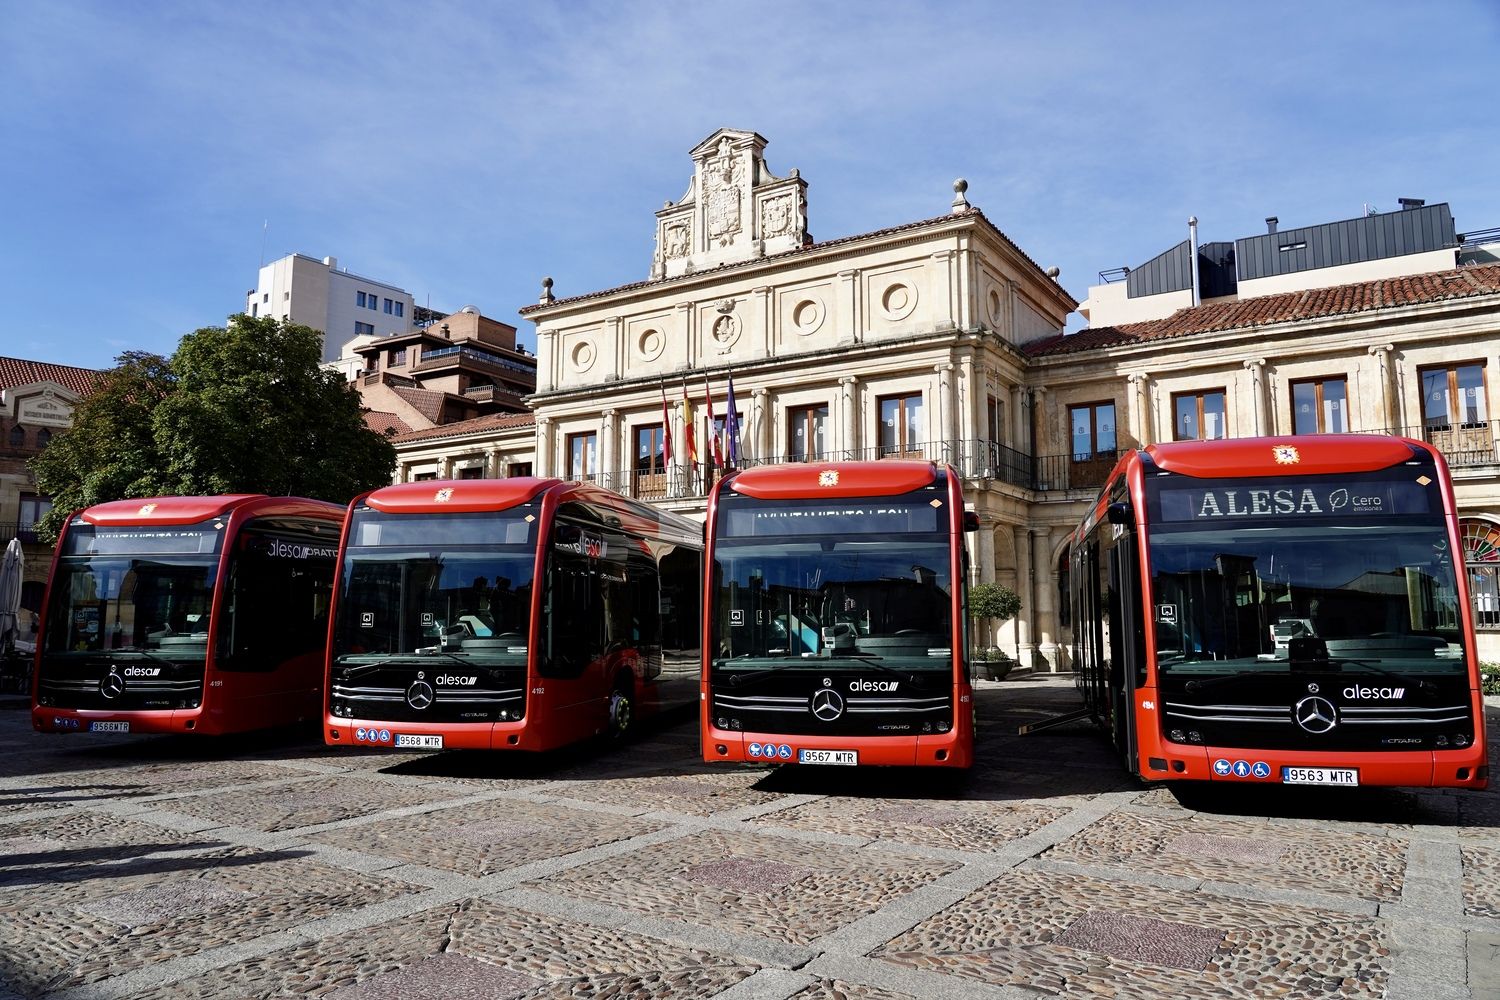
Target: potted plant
990,602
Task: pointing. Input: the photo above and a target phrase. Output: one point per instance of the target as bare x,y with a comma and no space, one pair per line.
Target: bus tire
621,710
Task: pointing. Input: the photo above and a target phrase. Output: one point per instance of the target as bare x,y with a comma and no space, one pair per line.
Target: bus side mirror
1118,513
971,521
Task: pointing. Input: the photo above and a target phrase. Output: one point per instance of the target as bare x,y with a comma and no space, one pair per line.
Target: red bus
1280,611
187,615
835,610
519,613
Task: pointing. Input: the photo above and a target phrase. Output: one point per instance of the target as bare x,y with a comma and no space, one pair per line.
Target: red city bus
187,614
834,620
1283,611
519,613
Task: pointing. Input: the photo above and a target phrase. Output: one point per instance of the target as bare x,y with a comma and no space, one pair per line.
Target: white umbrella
10,593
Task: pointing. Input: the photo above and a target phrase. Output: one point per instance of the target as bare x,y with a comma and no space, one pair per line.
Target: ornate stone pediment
40,404
734,210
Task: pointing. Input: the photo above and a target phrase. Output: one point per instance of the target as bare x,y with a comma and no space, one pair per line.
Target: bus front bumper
1466,768
937,750
374,734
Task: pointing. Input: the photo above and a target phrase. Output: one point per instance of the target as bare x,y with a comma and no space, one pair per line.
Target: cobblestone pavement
270,866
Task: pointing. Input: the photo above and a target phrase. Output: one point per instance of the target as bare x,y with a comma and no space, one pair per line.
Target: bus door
586,572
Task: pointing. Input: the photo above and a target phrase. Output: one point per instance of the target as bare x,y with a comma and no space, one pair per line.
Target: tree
237,409
992,602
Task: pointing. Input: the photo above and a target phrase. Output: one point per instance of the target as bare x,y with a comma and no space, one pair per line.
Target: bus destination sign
1294,502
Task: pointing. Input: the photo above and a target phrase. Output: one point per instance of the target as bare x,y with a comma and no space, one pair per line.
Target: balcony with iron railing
24,530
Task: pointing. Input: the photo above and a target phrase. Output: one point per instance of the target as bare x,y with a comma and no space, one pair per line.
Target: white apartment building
318,294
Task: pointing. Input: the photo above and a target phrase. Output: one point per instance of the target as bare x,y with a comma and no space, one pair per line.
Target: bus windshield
799,602
454,586
134,590
1376,596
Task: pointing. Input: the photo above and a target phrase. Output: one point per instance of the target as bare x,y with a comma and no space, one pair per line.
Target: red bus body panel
558,711
1315,454
812,480
232,702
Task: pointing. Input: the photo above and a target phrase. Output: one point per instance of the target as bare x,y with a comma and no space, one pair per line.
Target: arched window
43,436
1481,540
17,437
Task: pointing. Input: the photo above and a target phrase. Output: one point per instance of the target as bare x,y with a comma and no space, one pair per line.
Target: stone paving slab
1249,852
784,891
307,802
695,794
951,825
131,915
1078,936
474,950
1481,866
484,838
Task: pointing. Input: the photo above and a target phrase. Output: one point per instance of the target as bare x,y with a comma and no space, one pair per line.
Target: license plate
109,727
827,757
420,742
1320,776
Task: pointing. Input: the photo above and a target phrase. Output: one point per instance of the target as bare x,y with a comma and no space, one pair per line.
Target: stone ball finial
1053,271
546,291
960,203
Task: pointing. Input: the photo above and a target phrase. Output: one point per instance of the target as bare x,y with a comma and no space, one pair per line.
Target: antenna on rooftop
263,227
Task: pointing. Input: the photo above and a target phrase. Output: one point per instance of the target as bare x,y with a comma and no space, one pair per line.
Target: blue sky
464,150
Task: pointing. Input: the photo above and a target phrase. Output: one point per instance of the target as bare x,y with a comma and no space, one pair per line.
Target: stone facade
943,339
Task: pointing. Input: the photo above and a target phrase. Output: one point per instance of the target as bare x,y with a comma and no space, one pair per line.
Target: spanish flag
687,426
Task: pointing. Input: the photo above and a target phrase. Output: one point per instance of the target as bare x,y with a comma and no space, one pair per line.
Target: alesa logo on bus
452,680
866,686
1372,694
141,671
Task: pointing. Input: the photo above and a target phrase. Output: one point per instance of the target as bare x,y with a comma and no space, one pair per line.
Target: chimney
1412,202
1193,254
1271,221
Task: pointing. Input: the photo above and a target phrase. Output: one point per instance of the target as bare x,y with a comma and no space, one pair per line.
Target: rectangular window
806,426
1454,395
650,470
363,327
388,307
995,412
517,469
1093,431
1200,416
396,358
1320,406
266,297
582,456
399,306
359,299
472,472
900,425
255,309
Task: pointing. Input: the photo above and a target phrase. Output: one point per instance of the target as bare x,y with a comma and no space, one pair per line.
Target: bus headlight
1461,740
1177,736
722,722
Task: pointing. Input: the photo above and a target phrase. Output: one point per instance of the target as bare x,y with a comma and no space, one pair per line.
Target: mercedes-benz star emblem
419,695
112,686
1316,715
827,704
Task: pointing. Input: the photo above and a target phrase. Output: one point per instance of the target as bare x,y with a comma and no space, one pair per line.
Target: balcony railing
24,530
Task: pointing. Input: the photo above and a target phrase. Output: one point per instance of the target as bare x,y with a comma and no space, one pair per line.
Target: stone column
608,473
1388,409
1257,369
1140,412
546,359
1012,299
849,302
445,467
942,289
1019,439
849,416
614,328
760,424
762,296
942,450
684,313
494,464
1024,630
971,381
544,436
1045,588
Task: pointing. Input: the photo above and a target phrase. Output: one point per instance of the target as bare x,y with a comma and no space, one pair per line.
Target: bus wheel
621,711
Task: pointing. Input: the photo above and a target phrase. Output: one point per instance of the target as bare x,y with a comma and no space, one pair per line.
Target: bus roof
806,480
191,510
1302,454
461,496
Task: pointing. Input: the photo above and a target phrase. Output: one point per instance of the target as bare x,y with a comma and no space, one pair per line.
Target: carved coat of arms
724,177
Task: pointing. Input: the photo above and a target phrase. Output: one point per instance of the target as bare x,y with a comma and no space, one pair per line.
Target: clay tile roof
15,371
477,425
385,423
427,402
971,212
1286,307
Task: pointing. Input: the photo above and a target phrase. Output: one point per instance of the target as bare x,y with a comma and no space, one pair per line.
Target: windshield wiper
142,651
404,659
875,661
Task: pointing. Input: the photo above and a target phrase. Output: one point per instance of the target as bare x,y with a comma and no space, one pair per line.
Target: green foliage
992,601
1489,678
237,409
